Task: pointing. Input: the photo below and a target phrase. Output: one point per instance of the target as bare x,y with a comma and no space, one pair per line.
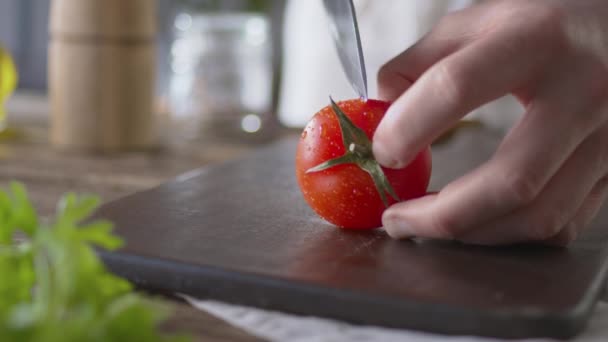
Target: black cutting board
240,232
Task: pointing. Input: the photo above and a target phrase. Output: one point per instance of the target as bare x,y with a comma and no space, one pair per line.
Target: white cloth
276,326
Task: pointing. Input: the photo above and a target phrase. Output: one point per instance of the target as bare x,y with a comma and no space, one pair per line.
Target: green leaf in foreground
53,287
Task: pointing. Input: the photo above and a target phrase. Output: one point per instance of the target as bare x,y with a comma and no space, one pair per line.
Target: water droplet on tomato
304,134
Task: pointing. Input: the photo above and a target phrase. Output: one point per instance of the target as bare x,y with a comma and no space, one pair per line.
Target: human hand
549,176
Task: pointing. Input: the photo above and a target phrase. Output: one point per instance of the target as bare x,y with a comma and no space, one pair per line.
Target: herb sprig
53,287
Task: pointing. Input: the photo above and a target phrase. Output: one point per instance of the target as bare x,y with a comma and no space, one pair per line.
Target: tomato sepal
347,158
382,184
359,152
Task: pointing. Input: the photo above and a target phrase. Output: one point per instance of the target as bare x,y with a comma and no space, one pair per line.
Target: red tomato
345,194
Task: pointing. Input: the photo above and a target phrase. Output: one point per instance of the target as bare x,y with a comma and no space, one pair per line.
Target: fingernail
383,156
396,227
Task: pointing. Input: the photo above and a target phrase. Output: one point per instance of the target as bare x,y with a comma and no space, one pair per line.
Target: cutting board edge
208,282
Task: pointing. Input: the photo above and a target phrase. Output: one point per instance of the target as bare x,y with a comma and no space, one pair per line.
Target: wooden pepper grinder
102,73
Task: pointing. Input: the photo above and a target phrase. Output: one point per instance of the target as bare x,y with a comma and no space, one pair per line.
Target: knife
345,33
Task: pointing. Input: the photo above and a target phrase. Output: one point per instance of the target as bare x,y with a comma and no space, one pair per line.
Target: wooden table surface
48,174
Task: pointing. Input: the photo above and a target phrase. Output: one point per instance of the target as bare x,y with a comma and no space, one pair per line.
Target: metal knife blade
345,33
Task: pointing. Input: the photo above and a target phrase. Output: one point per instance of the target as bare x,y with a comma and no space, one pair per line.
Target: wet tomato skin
345,195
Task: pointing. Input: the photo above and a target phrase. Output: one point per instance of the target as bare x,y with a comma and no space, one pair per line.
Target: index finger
470,77
449,35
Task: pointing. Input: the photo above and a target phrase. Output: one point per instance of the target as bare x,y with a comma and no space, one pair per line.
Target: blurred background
216,61
24,30
230,70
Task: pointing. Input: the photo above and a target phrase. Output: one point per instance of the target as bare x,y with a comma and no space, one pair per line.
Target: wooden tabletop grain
25,156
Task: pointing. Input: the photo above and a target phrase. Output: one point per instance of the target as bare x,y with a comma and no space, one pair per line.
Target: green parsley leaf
53,285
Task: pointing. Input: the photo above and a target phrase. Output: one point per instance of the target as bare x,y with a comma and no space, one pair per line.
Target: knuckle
604,157
451,29
600,167
393,78
546,224
602,185
547,13
519,189
568,235
596,151
546,21
537,27
444,226
385,74
447,23
598,84
571,234
594,86
451,83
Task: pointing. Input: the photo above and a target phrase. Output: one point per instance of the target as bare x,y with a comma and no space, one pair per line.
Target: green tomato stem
359,152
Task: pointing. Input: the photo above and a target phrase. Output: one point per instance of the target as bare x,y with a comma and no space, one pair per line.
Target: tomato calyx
359,152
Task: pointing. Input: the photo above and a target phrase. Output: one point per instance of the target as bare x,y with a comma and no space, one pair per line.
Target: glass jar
221,76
